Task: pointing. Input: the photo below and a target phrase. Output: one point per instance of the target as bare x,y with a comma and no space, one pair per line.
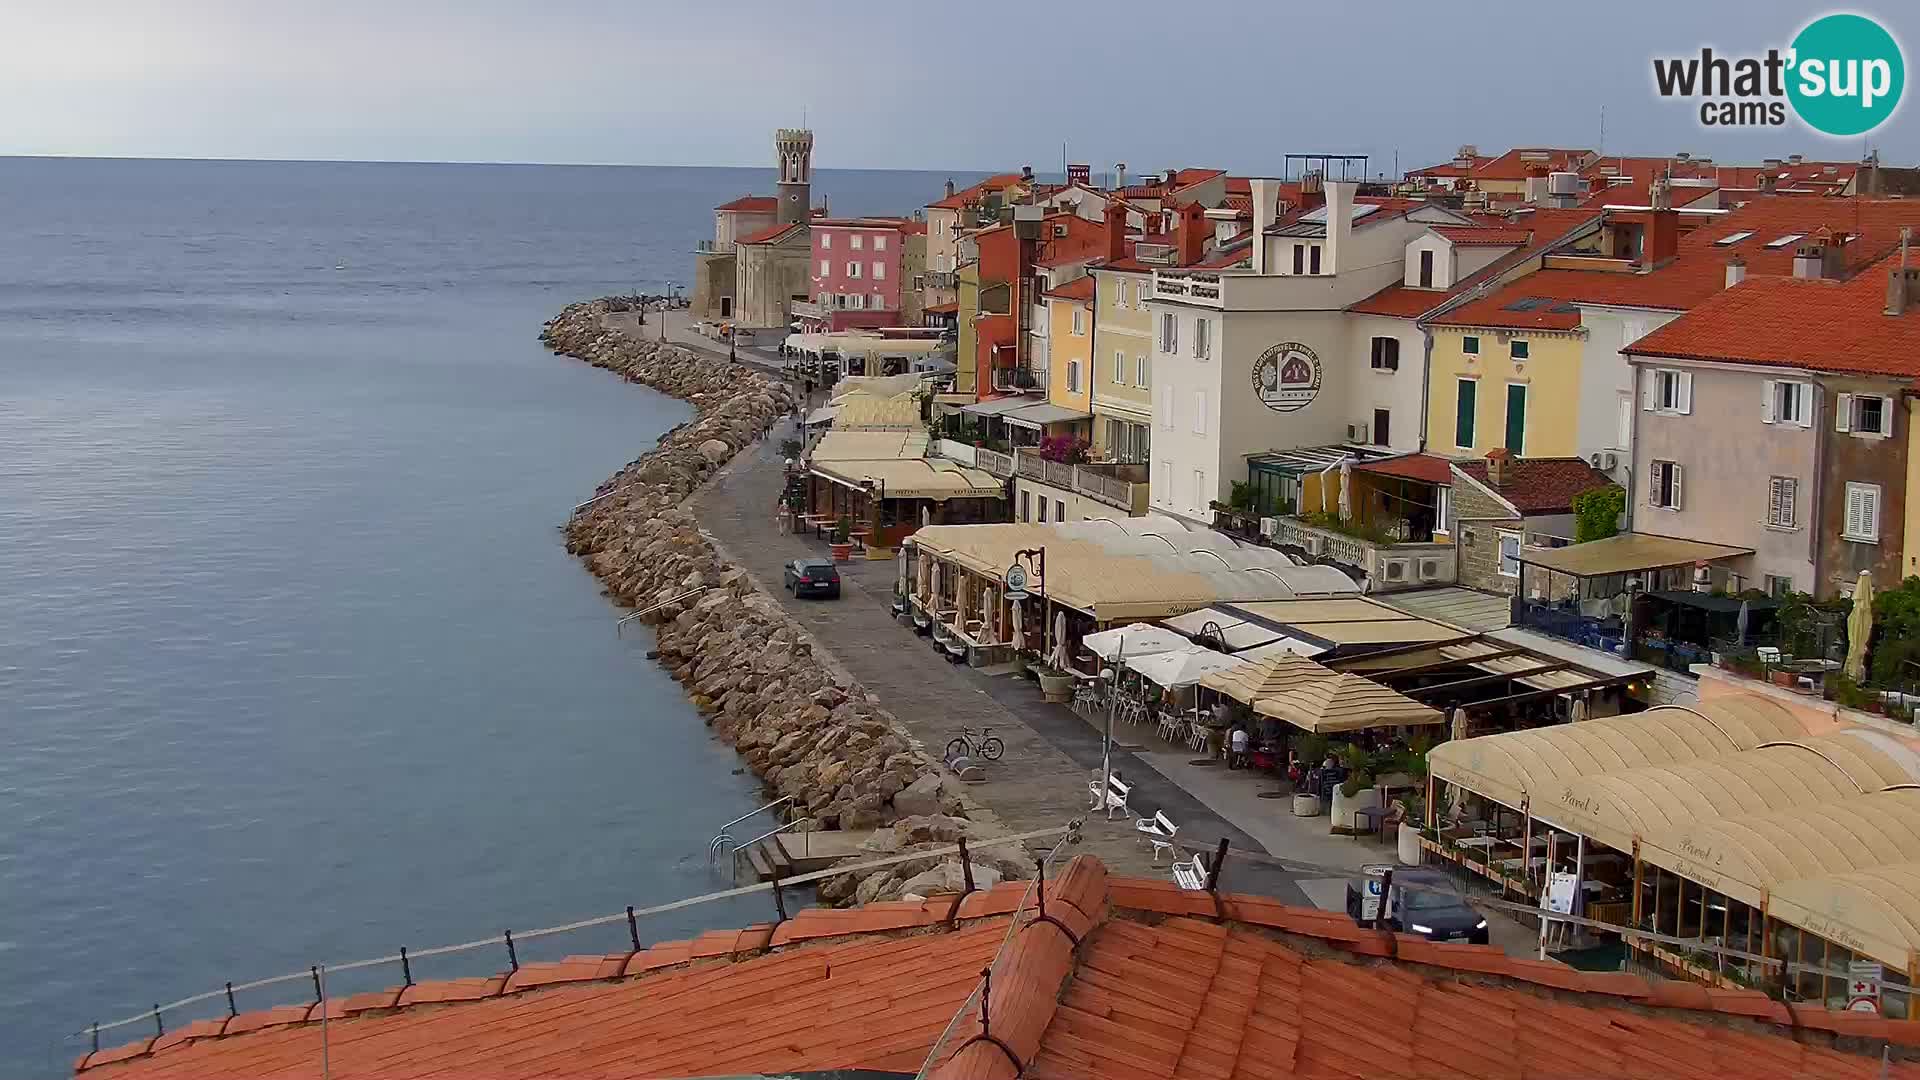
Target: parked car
812,577
1434,908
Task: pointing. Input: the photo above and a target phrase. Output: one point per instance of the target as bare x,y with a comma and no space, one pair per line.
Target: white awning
997,406
1035,416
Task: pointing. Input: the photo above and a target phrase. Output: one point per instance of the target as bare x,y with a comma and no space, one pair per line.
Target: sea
294,667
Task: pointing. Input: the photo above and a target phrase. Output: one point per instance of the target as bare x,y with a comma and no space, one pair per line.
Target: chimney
949,187
1736,271
1499,466
1662,240
1795,159
1116,230
1771,164
1765,183
1193,233
1119,175
1266,195
1899,282
1339,221
1808,261
1173,177
1026,173
1079,174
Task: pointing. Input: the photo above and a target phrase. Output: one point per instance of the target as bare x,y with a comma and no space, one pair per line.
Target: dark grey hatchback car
812,577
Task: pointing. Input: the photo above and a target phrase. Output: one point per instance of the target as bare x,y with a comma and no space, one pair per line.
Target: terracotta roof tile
1540,485
770,233
1475,236
1080,288
752,204
1426,468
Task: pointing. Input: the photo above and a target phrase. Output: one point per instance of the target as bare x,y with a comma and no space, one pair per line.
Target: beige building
1122,373
771,271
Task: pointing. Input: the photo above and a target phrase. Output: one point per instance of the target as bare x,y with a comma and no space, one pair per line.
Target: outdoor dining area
1751,851
868,490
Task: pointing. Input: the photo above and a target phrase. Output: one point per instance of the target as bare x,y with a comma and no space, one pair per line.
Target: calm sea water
293,666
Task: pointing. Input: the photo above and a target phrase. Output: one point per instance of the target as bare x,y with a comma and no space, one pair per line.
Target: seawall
763,682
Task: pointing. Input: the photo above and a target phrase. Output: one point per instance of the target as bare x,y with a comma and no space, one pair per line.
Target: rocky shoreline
760,679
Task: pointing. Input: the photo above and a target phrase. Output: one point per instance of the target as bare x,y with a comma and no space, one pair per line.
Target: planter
1344,806
1408,843
1306,804
1056,688
841,552
1783,678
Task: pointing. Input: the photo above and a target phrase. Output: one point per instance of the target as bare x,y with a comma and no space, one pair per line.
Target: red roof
1540,485
1518,163
1817,325
751,204
1471,236
1640,193
1127,978
1518,307
771,233
1080,288
967,194
1239,185
1401,301
943,309
1423,467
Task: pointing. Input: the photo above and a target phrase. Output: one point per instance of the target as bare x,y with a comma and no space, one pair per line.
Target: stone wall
1479,514
751,668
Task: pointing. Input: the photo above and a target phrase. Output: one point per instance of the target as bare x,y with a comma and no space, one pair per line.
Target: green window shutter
1463,419
1516,417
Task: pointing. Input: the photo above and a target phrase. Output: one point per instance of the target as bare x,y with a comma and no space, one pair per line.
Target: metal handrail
749,845
650,610
713,848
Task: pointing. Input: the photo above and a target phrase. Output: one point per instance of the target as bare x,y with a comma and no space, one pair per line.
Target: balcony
808,309
1192,286
1388,565
995,462
940,279
1026,378
1121,486
708,247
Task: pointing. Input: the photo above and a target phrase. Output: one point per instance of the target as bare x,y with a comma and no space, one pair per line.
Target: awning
1712,602
912,478
825,414
1284,646
1345,703
998,406
1035,416
1626,553
1265,678
1874,912
865,412
1183,667
869,446
1137,639
1538,764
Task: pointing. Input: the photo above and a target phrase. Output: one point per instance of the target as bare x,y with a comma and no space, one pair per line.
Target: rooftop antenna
1602,148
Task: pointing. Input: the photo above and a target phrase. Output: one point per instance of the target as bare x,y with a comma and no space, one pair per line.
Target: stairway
787,854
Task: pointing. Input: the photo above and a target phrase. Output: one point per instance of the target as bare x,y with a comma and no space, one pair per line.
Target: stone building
1502,503
755,266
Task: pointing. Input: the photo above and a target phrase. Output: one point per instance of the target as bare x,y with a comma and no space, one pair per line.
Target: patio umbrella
926,515
1740,624
1457,797
1142,639
1860,627
933,588
1182,668
1059,656
1346,491
1579,711
1019,630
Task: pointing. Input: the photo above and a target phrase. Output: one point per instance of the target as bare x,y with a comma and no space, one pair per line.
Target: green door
1463,415
1516,418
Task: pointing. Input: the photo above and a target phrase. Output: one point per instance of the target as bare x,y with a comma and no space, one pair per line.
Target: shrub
1597,513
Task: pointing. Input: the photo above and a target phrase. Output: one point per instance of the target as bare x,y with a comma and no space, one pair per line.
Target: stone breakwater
762,681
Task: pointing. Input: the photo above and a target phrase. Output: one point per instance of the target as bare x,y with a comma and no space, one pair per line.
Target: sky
900,84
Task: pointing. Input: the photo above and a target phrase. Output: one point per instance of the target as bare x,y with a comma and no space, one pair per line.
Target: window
1079,321
1164,410
1863,414
1863,514
857,301
1125,297
1299,258
1201,496
879,271
1443,508
1733,238
1199,412
1313,259
1470,345
1786,402
1782,241
1164,486
1141,371
1666,390
826,240
1777,586
1509,554
826,267
1381,428
1059,510
1517,348
1202,338
1426,269
1386,354
1463,414
1663,485
855,241
1623,423
1119,367
853,270
1517,418
1781,491
1169,332
879,243
1073,376
1025,509
1043,508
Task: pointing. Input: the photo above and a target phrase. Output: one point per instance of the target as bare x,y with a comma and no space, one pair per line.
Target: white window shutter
1199,412
1886,416
1768,389
1870,512
1653,484
1677,473
1843,413
1855,502
1683,394
1649,388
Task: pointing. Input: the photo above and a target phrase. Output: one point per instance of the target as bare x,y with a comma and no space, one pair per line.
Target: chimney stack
1736,271
1808,261
949,187
1498,465
1116,230
1193,234
1119,175
1340,195
1173,177
1026,173
1266,196
1900,283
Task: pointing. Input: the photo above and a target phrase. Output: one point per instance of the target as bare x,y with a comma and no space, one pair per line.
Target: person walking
1237,748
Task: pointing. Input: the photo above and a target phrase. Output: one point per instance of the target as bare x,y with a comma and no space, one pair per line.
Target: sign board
1375,878
1286,378
1559,895
1863,986
1016,580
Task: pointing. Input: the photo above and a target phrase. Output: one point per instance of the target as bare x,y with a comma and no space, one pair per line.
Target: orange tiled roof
1473,236
1080,288
1423,467
1400,301
752,204
1817,325
771,233
1131,978
961,197
1516,163
1540,485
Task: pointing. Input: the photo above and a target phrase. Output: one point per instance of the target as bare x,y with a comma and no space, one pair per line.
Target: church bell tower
795,147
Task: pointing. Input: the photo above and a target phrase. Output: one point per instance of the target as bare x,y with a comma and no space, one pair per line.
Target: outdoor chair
1158,830
1191,874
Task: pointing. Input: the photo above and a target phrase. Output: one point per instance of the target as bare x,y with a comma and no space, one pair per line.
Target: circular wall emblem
1287,377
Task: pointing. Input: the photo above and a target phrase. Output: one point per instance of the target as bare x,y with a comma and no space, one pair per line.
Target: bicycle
982,744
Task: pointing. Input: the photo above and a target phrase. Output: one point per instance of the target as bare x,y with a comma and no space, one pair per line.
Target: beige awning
1345,703
869,446
1618,807
865,412
1626,553
1745,858
1874,912
1512,767
914,478
1264,678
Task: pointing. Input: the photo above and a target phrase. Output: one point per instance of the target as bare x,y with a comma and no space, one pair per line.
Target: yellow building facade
1070,327
1121,358
1490,388
964,375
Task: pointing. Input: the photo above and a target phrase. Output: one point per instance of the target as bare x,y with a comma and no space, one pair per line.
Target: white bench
1192,874
1115,794
1158,830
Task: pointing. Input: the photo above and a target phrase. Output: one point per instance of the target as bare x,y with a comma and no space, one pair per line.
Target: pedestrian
1237,748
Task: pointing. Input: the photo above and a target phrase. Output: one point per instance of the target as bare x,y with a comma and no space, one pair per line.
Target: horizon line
771,166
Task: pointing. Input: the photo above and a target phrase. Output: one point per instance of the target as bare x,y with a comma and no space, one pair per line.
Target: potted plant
1407,841
1357,791
1055,686
842,543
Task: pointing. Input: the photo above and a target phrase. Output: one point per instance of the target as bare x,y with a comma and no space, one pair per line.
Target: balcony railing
940,279
1193,286
1028,378
1103,483
1568,624
995,462
808,309
708,247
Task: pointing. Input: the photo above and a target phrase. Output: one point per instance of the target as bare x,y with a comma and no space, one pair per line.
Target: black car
1430,905
812,577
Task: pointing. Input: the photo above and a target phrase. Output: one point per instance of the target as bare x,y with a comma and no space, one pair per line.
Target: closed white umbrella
1346,491
933,589
1860,627
1059,660
926,515
1019,630
1457,797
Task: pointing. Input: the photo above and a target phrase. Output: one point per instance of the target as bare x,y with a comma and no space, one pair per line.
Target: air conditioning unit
1269,527
1429,569
1396,569
1356,433
1314,544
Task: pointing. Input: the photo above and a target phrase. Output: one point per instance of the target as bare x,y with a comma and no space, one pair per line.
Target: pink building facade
855,274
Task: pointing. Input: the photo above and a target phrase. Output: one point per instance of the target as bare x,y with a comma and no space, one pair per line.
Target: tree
1597,513
1896,634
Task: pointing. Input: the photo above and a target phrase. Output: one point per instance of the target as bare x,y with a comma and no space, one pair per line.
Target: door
1381,435
726,307
1426,269
1516,418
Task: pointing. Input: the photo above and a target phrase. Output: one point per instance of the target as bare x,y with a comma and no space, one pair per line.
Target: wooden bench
1115,794
1191,874
1158,830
